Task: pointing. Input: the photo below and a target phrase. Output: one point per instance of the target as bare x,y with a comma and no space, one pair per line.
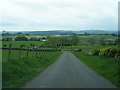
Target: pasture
89,40
20,66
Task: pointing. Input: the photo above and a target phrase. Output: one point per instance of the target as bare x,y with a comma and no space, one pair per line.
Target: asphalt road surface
68,72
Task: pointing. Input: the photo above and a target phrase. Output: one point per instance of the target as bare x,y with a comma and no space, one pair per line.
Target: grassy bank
106,67
19,70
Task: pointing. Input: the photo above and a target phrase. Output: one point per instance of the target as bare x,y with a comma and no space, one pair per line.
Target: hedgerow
107,52
78,50
95,52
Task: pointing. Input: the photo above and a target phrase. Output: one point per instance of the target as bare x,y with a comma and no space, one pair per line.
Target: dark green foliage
21,38
117,41
110,42
95,52
16,44
6,34
53,41
113,34
104,51
75,40
34,39
19,33
109,52
102,41
4,46
7,39
65,41
117,55
112,52
78,50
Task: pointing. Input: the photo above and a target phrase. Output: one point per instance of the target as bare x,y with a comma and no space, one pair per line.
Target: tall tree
21,38
52,41
75,40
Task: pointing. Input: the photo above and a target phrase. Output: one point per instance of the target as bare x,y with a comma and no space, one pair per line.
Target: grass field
106,67
20,69
95,39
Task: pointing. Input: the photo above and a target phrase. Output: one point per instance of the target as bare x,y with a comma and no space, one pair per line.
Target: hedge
108,52
95,52
78,50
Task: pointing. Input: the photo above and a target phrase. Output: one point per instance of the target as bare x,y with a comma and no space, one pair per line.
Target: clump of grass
19,70
106,67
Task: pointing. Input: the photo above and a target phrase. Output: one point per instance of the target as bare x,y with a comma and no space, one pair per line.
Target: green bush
7,39
109,52
21,38
104,51
78,50
117,55
112,52
95,52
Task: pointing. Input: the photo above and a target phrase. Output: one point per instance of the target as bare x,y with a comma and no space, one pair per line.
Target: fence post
33,46
36,52
39,49
20,51
27,51
9,52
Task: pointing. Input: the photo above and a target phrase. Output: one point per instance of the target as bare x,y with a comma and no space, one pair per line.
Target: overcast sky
59,14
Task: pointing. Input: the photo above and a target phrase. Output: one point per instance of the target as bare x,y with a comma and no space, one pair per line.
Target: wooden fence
42,50
21,49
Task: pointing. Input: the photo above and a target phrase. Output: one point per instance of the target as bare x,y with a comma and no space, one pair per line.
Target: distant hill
95,31
59,32
63,32
50,32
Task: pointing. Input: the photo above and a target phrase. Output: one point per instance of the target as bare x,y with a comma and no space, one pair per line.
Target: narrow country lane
68,72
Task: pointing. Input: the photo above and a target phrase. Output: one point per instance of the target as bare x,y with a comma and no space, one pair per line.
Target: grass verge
17,71
89,47
106,67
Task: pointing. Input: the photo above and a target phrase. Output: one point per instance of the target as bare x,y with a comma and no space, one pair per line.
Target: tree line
53,41
72,40
22,38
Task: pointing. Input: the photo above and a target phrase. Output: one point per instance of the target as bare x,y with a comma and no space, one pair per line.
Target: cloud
59,14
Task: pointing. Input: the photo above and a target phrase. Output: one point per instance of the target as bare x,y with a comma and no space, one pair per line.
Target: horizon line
59,30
